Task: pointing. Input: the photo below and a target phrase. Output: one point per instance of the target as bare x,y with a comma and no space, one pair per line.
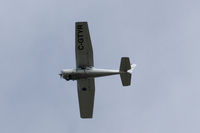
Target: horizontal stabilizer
125,64
126,79
125,75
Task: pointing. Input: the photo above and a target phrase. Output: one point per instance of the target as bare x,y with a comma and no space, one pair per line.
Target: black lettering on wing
80,37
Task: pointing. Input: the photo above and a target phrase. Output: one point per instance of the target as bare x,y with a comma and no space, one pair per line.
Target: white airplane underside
76,74
85,71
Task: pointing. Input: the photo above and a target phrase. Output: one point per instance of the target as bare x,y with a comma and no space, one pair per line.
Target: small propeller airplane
85,71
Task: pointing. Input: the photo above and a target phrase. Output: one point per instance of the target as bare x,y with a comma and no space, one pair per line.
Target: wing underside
86,92
84,58
84,52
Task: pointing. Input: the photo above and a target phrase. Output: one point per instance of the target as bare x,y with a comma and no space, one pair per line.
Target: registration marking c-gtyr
80,37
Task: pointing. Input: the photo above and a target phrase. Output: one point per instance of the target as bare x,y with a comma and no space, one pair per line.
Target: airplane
85,71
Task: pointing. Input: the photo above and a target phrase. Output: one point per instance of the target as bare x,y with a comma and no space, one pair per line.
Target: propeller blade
61,76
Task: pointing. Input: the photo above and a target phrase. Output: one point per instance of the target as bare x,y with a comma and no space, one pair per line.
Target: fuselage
90,72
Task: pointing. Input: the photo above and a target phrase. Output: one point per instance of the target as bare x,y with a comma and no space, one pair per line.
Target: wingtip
81,22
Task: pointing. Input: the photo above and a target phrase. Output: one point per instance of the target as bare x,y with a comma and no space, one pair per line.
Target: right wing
84,52
86,92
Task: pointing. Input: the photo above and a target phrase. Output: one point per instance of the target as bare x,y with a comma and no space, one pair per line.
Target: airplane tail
125,71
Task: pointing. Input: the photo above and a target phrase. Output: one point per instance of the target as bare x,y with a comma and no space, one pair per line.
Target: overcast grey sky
160,36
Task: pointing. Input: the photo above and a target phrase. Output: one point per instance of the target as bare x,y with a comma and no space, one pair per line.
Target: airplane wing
86,91
84,52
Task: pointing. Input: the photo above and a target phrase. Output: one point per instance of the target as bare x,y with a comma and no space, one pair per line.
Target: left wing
86,91
83,48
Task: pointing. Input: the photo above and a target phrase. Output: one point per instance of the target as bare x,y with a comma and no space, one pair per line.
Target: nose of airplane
61,75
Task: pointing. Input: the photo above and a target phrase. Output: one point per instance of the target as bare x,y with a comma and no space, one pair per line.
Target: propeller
61,75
